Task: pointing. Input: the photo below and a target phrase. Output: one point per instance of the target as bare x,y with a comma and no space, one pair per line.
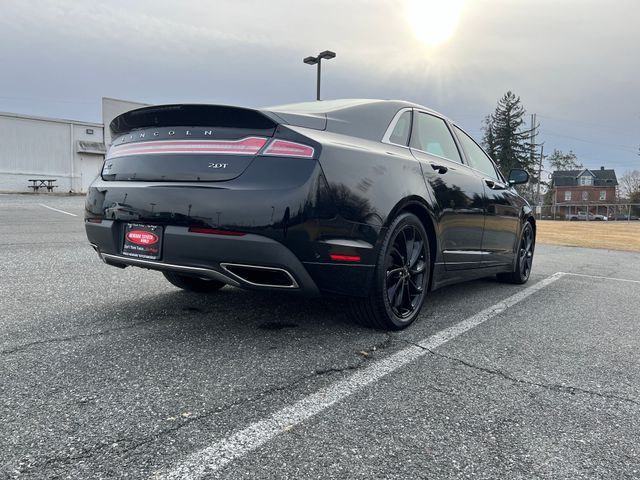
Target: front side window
567,196
431,134
476,156
402,129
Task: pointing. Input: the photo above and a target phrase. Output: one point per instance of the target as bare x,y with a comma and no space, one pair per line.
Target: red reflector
245,146
284,148
345,258
215,231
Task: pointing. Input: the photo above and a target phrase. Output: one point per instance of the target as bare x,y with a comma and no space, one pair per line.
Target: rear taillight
245,146
284,148
215,231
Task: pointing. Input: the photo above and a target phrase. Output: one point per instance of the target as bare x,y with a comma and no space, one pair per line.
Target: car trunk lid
196,143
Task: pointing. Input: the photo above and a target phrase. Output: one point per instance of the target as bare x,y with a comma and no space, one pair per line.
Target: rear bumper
213,256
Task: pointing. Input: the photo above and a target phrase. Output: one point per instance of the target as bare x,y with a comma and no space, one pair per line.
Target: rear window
402,129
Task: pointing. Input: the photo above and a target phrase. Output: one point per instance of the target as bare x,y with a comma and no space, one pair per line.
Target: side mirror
518,176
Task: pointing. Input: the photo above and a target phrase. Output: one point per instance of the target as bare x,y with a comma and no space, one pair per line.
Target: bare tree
563,161
630,184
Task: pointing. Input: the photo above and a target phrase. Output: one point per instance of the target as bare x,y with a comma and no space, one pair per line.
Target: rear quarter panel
370,180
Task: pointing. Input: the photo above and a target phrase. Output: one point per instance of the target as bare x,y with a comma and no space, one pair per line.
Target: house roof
603,177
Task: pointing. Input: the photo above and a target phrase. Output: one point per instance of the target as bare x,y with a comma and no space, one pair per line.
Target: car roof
363,118
333,106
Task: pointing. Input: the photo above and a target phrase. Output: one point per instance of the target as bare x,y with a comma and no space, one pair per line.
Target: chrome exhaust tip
261,276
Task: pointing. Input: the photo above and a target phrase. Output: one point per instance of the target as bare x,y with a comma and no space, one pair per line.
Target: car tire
193,284
401,277
524,260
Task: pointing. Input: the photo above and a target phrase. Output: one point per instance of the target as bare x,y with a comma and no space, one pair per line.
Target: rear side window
476,156
400,133
431,134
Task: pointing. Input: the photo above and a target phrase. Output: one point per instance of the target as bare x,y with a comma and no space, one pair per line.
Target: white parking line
238,444
599,277
57,210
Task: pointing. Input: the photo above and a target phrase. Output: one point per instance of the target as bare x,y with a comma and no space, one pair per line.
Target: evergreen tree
507,139
489,139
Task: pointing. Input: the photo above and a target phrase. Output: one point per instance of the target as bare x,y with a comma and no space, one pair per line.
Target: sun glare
434,21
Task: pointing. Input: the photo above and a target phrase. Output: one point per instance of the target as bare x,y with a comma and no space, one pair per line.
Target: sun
434,21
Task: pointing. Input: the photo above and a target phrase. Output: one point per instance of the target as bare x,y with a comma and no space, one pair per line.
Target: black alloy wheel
401,278
524,260
405,271
193,284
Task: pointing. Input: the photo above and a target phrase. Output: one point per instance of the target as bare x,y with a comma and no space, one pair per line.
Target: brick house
583,190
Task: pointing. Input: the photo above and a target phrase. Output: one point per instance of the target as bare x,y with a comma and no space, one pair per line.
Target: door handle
493,185
439,168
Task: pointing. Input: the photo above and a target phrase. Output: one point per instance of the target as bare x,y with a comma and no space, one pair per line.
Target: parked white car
583,216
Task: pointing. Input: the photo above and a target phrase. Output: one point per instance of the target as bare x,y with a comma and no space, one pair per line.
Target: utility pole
533,138
532,151
540,174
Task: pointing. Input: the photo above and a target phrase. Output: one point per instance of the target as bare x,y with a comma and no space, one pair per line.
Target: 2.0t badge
218,165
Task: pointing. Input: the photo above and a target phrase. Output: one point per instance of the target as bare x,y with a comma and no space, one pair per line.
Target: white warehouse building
67,151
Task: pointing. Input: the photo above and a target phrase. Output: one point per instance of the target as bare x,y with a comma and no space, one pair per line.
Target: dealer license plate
142,241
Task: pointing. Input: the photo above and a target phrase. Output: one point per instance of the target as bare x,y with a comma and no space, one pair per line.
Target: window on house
603,194
585,196
567,196
586,180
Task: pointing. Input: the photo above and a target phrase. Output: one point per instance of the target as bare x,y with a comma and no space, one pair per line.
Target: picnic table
39,183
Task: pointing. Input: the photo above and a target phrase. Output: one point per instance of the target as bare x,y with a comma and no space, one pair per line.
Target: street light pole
327,55
318,80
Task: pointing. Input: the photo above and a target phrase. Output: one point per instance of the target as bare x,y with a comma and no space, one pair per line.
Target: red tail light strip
284,148
345,258
245,146
215,231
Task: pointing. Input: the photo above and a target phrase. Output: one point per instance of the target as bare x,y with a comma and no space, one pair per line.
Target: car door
457,189
502,205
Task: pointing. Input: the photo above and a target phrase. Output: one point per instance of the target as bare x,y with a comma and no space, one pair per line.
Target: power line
613,145
589,124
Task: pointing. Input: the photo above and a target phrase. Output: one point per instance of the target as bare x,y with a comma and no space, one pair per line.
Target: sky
575,63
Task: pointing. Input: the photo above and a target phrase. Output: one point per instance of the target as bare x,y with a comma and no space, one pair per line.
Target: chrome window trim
386,138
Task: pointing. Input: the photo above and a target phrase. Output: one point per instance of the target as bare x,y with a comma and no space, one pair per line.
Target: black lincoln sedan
380,201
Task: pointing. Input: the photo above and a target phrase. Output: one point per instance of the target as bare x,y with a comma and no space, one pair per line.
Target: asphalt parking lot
108,373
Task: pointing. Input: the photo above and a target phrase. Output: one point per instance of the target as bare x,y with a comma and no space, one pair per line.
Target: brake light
345,258
244,146
284,148
216,231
